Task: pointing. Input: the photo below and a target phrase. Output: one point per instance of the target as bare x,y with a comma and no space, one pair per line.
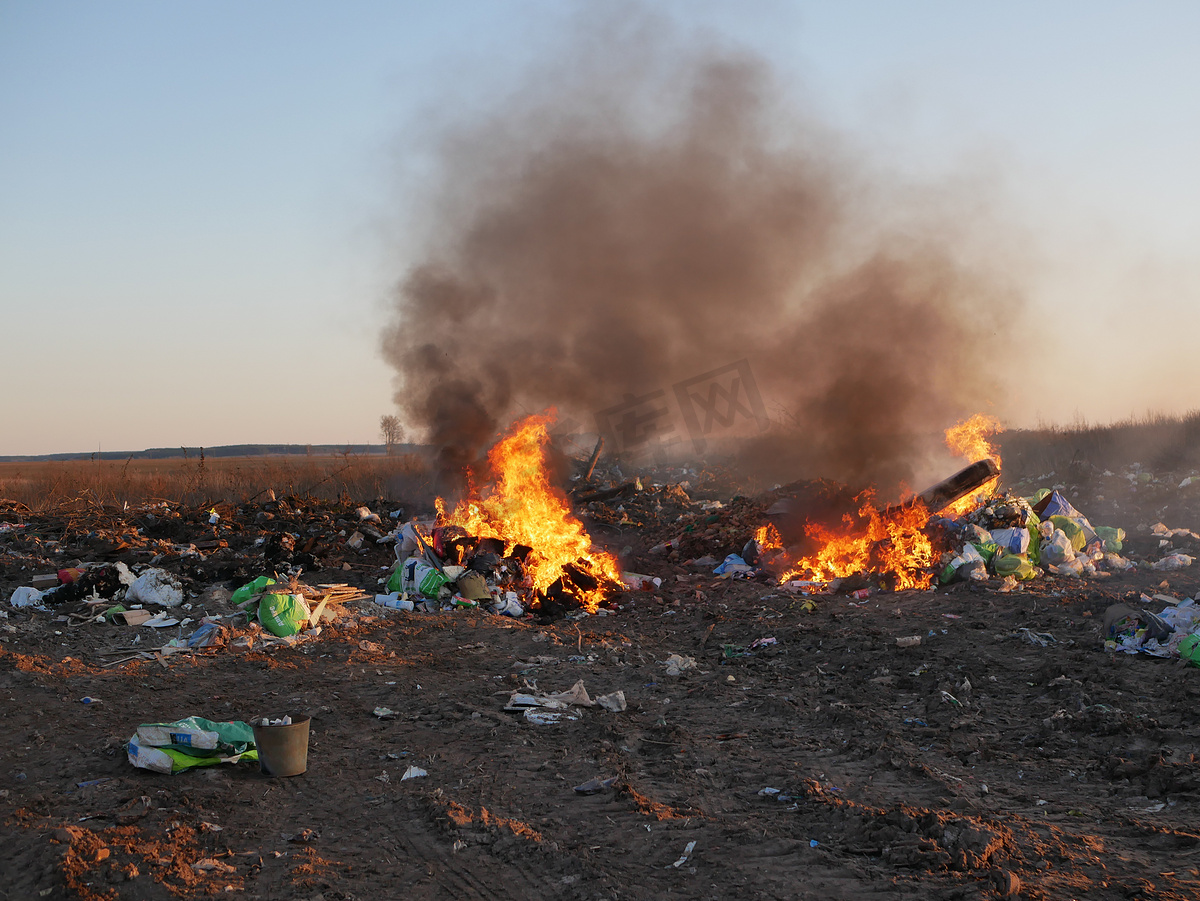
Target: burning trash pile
960,530
516,546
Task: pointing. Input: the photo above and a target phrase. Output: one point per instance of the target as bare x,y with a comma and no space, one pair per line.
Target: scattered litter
687,850
596,785
208,635
1041,639
394,601
542,717
639,582
613,701
414,772
1173,562
677,665
576,695
160,621
26,597
212,865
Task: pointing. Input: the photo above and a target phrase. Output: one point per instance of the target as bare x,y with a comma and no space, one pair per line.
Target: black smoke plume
647,210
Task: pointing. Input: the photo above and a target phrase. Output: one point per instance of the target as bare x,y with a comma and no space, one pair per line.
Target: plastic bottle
394,601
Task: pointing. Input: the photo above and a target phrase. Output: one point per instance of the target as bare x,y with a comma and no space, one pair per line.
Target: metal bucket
282,750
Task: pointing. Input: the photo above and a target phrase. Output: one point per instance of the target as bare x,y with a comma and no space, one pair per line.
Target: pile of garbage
1019,538
163,568
441,567
1006,537
1173,632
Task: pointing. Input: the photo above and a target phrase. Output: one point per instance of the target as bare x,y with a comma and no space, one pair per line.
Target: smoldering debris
633,216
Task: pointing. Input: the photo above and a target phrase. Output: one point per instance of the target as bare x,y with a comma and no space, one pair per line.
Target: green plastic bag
174,747
1035,539
395,582
1072,529
1015,565
1189,650
1114,539
283,614
971,553
422,578
987,550
250,591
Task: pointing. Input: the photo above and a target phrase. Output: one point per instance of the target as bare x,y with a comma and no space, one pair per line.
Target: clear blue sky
203,206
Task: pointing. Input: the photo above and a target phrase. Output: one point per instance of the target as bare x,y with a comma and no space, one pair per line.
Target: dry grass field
196,480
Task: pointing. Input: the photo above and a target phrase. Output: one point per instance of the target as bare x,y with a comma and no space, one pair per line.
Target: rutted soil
1007,755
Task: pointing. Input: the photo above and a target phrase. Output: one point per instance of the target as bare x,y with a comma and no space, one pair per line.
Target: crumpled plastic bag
1113,538
173,747
155,586
1057,549
283,614
1015,541
1055,505
1174,561
732,565
1016,566
677,665
251,591
1072,529
26,597
410,541
1117,563
1073,567
1189,649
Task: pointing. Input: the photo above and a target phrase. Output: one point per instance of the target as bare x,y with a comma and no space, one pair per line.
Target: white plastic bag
1058,550
155,586
26,597
1173,562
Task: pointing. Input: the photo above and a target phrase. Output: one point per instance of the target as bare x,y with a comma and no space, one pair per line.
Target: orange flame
522,507
969,439
888,542
767,538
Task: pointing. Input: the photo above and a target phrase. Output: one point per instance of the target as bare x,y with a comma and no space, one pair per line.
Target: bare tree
391,430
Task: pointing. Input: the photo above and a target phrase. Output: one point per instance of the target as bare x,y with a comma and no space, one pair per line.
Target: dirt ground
1007,755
